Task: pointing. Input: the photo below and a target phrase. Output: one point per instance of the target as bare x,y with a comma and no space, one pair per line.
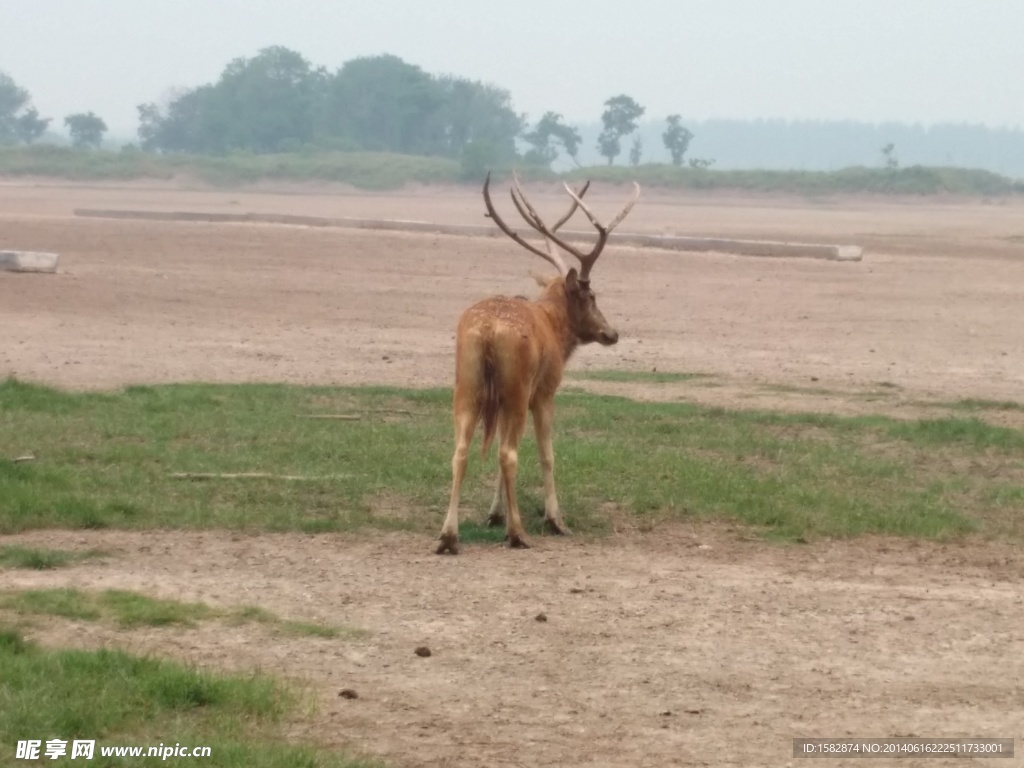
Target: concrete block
28,261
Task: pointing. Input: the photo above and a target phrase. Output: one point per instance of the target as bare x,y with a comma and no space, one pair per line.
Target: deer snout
608,337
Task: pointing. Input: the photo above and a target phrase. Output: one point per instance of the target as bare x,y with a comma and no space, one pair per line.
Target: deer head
586,321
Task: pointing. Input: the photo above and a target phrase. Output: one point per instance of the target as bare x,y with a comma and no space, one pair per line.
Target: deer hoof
516,541
495,520
557,527
449,543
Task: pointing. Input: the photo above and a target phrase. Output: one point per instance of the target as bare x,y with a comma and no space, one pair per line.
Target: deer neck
556,310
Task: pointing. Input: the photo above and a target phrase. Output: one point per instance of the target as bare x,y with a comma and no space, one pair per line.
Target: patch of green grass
796,390
132,609
651,377
41,559
974,404
66,603
308,629
120,700
127,609
262,616
109,459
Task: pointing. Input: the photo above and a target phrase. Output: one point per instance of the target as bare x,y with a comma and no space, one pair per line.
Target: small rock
704,546
575,590
348,693
541,616
910,618
666,713
423,651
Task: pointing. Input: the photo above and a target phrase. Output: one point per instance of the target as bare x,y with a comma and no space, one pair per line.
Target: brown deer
509,358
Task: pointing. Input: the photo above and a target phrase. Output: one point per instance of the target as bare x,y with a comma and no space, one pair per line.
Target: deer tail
490,405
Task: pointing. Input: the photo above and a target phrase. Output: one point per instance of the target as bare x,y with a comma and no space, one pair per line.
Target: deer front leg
543,416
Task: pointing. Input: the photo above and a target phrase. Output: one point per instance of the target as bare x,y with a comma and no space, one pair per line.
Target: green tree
619,119
86,129
890,159
636,151
545,138
472,112
27,126
676,138
385,104
195,121
264,103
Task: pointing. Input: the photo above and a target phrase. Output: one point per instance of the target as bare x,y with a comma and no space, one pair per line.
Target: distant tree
540,152
608,145
471,112
29,126
12,99
636,151
676,138
385,104
619,119
86,129
264,102
548,134
890,160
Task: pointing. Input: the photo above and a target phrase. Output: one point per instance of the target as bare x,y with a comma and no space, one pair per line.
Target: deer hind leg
466,418
496,515
543,416
513,422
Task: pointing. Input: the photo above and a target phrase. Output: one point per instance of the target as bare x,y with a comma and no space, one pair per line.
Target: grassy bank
184,456
366,170
382,171
913,180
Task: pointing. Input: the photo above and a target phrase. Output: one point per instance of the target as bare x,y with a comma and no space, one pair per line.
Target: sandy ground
933,311
678,647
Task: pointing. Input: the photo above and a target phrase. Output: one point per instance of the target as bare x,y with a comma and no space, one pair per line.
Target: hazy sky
873,60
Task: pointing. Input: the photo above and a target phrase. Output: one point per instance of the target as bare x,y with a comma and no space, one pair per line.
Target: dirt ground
685,646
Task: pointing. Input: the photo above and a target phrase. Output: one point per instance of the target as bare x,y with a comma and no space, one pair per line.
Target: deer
510,354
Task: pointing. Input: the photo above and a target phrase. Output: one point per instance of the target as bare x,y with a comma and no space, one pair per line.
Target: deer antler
586,259
552,257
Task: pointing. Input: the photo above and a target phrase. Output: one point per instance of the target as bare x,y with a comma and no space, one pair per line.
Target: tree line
21,122
277,101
